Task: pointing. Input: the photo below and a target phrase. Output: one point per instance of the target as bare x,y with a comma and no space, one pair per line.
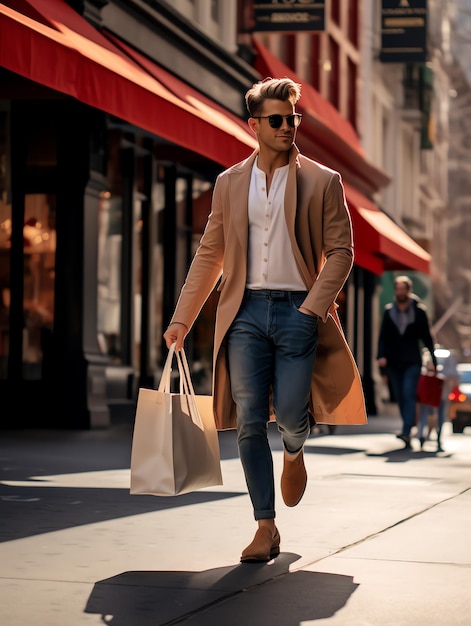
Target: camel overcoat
320,231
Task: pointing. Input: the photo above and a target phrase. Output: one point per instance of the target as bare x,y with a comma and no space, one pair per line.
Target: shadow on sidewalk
26,511
403,455
248,595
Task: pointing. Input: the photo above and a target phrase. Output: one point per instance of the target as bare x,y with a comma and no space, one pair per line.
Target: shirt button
265,244
265,228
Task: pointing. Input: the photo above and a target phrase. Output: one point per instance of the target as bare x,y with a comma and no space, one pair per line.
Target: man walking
279,239
404,329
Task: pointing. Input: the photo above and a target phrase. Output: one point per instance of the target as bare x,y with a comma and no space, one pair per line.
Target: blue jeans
404,384
271,349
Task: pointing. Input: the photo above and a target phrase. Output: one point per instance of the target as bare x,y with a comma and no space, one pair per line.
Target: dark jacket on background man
405,349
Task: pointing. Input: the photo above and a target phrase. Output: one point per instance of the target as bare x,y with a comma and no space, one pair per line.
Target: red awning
368,260
229,121
377,236
54,46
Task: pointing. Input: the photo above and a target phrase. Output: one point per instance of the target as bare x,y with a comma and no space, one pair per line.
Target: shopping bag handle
164,384
186,384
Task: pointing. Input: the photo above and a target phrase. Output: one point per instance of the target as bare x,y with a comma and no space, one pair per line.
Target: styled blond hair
283,89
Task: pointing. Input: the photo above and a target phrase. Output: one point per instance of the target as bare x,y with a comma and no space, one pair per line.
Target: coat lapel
292,198
239,183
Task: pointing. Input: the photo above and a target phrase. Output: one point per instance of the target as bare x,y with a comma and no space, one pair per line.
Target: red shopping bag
429,389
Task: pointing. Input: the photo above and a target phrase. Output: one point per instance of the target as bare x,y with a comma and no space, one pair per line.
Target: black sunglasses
275,121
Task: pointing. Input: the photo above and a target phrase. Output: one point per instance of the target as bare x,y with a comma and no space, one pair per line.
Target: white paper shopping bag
175,446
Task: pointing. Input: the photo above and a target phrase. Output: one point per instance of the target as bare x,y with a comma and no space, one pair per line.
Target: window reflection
5,233
39,252
109,279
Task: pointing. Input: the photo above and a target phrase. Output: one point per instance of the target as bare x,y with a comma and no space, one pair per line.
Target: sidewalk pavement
382,536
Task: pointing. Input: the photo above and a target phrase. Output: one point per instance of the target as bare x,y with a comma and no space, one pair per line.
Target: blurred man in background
404,329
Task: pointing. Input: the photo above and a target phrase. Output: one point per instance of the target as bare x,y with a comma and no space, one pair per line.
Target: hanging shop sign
427,131
289,15
403,31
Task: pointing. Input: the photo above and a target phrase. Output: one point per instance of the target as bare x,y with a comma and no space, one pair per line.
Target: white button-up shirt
271,262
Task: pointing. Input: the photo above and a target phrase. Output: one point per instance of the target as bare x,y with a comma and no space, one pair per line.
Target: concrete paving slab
24,602
440,534
398,593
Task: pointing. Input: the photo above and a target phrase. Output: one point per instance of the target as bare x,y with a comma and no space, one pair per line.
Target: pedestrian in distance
404,331
432,418
278,246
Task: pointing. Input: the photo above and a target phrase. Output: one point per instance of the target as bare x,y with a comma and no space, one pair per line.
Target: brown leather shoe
293,479
264,547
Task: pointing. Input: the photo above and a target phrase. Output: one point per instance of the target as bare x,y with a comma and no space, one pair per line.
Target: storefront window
109,276
39,260
110,256
39,250
39,241
156,286
5,233
137,280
